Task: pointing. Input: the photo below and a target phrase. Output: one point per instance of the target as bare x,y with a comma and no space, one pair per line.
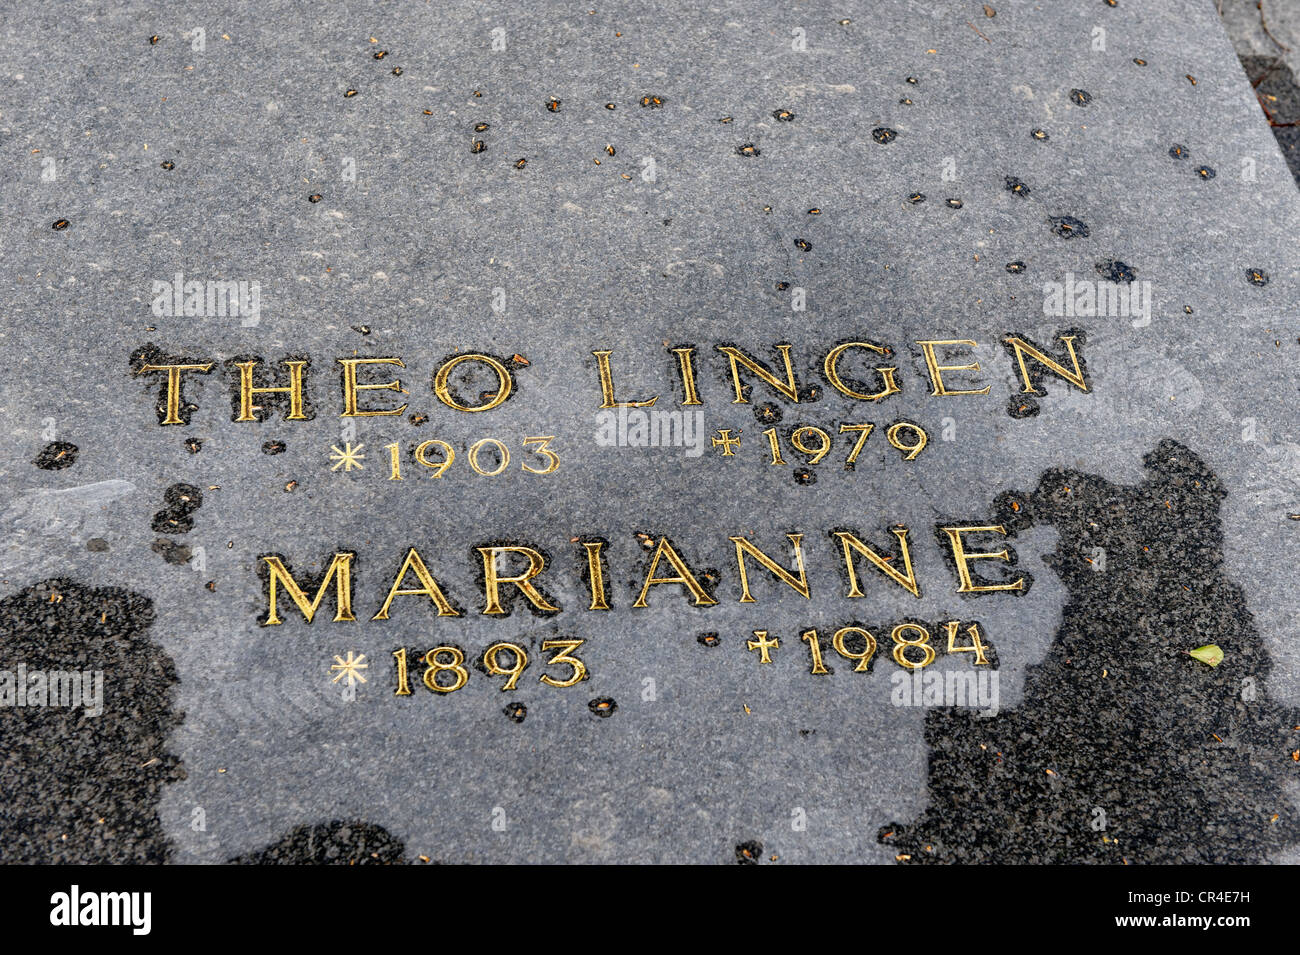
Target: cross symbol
725,441
763,645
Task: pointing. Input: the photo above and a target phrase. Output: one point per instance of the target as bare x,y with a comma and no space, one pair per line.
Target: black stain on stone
78,788
883,135
710,640
1257,277
180,502
1205,172
1068,227
1080,97
56,456
603,706
1125,749
749,853
1022,406
331,843
1016,187
1178,151
1113,270
515,712
273,447
171,551
1015,268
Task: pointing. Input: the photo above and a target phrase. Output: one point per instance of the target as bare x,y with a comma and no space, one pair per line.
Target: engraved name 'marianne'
665,565
947,376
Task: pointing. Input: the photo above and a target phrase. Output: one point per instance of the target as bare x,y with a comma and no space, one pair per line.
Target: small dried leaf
1210,654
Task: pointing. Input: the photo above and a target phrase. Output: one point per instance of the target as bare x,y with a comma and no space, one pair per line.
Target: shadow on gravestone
82,788
1125,748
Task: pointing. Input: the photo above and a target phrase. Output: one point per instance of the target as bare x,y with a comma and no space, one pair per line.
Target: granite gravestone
645,435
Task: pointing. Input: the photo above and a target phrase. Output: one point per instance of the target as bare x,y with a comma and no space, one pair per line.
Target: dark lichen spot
60,224
953,203
1015,186
180,502
708,639
1080,97
193,445
804,477
603,706
553,105
767,413
1257,277
273,447
167,164
883,134
784,115
1022,406
515,712
171,551
1113,270
803,245
1068,227
477,146
1178,151
1040,134
1015,268
1205,172
97,545
748,853
916,197
651,102
56,456
748,150
314,197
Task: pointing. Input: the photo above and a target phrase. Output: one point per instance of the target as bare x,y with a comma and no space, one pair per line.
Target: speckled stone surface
539,185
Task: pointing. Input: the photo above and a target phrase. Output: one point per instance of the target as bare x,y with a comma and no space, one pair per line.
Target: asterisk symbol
350,668
347,458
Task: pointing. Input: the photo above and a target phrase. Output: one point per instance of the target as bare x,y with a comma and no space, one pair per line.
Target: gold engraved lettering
684,576
492,580
351,388
936,369
789,388
906,580
339,570
607,386
963,558
414,563
745,547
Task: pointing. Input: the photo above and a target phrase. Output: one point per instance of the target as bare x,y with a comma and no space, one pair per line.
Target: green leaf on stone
1210,654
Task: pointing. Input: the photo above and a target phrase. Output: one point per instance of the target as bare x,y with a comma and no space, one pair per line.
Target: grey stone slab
1148,515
